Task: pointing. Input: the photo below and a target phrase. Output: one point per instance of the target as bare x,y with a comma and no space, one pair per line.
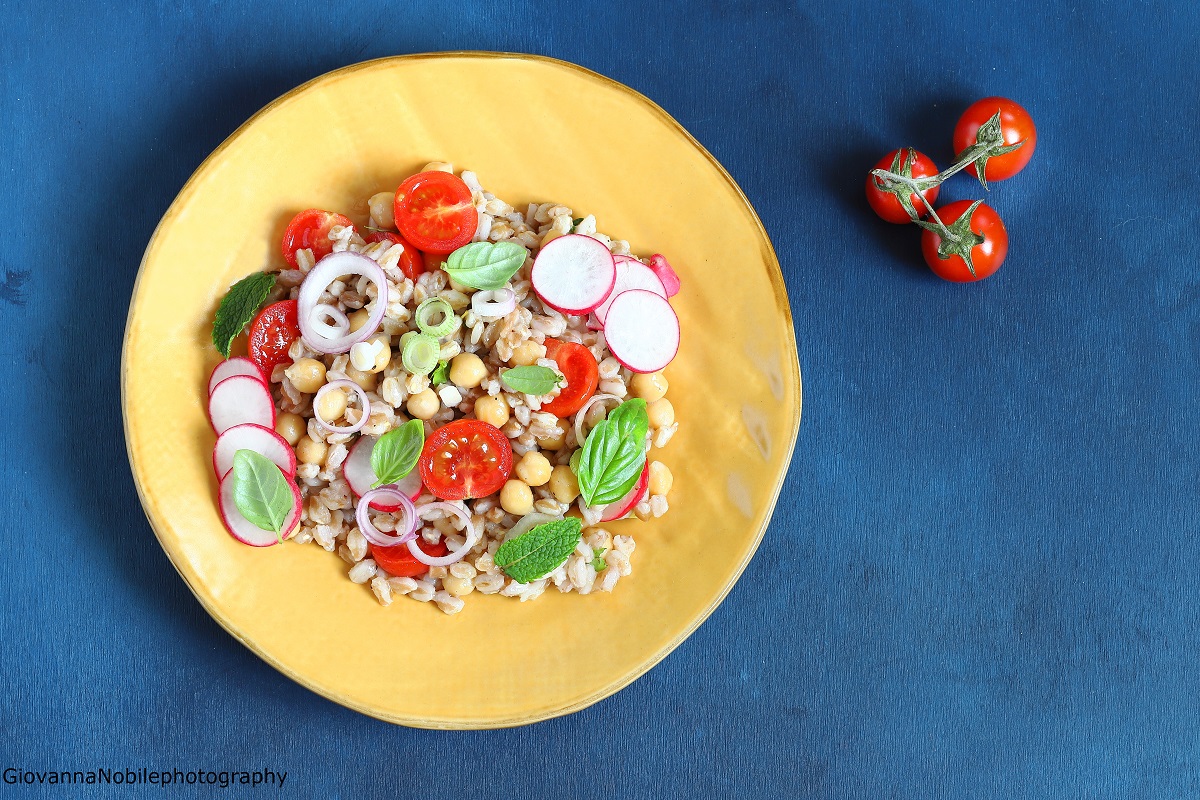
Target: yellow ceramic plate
534,129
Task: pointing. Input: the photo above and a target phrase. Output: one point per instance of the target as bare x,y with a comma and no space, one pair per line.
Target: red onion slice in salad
495,303
363,403
582,413
322,312
327,270
455,555
407,523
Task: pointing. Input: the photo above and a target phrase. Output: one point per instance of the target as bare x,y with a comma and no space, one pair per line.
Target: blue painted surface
981,579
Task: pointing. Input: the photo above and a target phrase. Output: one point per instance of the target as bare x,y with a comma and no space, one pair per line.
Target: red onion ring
579,416
327,270
363,402
454,556
496,303
340,326
408,518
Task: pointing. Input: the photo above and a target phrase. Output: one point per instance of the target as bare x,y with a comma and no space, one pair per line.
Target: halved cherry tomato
311,229
398,560
412,262
1017,126
986,257
466,458
579,367
886,204
434,212
272,333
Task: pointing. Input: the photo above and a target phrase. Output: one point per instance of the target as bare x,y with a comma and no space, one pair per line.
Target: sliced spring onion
495,303
420,354
435,308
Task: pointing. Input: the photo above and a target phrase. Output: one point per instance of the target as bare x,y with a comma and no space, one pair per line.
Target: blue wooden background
981,579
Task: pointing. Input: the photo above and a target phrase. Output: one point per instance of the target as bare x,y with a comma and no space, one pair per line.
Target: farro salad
454,397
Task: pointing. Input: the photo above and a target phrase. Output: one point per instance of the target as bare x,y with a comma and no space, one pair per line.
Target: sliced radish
573,274
246,531
362,478
239,400
642,330
264,441
636,495
594,324
631,274
668,276
233,366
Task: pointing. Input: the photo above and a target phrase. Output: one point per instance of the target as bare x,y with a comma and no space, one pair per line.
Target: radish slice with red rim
364,405
637,494
406,526
234,366
238,400
249,436
668,276
642,330
361,477
631,274
454,556
311,317
246,531
573,274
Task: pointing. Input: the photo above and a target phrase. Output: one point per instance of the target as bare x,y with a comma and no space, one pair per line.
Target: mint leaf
396,452
598,562
238,307
539,551
260,491
486,265
614,454
441,373
533,380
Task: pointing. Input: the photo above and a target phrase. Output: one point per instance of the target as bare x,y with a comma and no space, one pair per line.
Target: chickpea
492,410
516,498
332,405
382,205
307,375
291,427
661,478
563,484
384,356
527,353
459,587
423,405
467,370
366,380
661,413
550,236
555,441
649,386
358,319
310,451
533,468
438,166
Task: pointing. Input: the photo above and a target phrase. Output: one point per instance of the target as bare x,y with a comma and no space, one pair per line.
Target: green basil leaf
238,307
533,380
614,454
397,451
539,551
598,562
441,373
260,491
486,265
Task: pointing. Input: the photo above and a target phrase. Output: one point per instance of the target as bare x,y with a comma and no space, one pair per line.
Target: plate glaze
533,129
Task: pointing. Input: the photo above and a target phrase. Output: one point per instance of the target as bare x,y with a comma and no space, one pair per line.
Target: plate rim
791,358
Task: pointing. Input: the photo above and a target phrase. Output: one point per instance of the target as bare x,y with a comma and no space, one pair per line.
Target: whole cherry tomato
986,255
886,204
1015,123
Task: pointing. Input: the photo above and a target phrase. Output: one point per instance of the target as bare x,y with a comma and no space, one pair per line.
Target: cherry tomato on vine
434,211
272,333
886,204
466,458
412,262
986,256
1015,123
310,229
